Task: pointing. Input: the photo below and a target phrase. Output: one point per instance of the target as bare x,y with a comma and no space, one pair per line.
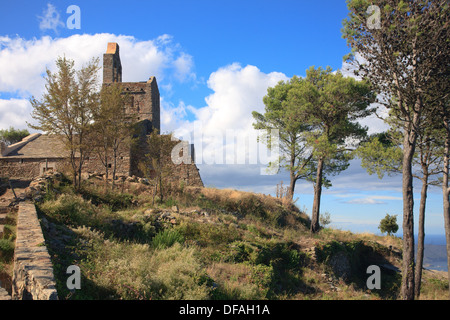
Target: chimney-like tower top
112,48
112,67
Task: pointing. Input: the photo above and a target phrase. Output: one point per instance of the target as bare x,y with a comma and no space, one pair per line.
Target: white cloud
183,67
15,113
173,118
23,62
370,200
357,198
50,19
237,92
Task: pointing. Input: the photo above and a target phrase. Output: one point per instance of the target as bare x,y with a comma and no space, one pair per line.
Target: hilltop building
39,153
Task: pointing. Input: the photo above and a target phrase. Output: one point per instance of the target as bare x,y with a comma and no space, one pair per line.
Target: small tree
66,109
388,224
156,163
11,135
113,127
325,219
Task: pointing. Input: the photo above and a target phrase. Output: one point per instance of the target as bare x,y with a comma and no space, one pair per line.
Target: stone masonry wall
94,165
186,174
19,170
144,100
33,277
29,169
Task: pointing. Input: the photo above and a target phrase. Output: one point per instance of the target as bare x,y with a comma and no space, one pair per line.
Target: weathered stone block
33,277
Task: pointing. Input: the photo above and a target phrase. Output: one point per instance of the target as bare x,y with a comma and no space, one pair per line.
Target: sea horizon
435,252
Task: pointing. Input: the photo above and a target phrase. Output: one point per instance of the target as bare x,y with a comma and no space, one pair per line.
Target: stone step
2,228
2,218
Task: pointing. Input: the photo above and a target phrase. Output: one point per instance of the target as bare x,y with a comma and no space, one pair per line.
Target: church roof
36,146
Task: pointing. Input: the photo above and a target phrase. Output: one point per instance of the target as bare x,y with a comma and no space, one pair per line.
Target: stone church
39,153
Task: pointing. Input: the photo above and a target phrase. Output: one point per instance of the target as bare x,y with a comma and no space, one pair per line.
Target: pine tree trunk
446,195
292,176
421,236
317,194
291,187
407,288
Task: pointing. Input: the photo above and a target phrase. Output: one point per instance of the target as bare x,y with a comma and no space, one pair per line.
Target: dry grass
434,285
234,280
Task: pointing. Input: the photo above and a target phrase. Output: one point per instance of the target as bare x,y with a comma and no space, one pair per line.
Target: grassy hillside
205,243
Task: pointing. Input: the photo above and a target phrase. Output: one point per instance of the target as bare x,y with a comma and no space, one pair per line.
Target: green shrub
167,238
6,250
170,202
115,200
207,234
280,255
9,233
71,209
438,284
263,277
239,251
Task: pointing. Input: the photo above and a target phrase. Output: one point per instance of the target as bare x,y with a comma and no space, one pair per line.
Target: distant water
435,252
438,239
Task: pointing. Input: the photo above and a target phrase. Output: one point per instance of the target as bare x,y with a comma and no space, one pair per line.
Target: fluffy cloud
222,130
23,63
228,112
15,113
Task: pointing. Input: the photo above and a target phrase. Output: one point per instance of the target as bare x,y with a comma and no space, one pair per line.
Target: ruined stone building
38,153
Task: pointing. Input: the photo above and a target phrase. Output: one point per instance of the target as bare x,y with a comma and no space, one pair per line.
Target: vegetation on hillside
205,243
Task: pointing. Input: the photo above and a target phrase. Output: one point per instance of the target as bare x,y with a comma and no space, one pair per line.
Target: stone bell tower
144,99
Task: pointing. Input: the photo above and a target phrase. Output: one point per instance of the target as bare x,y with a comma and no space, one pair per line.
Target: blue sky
213,61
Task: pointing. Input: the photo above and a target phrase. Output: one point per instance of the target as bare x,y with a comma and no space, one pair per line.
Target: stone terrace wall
28,169
33,277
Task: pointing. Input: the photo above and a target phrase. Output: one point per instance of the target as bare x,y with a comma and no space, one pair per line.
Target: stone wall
144,100
94,165
27,169
185,174
33,277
